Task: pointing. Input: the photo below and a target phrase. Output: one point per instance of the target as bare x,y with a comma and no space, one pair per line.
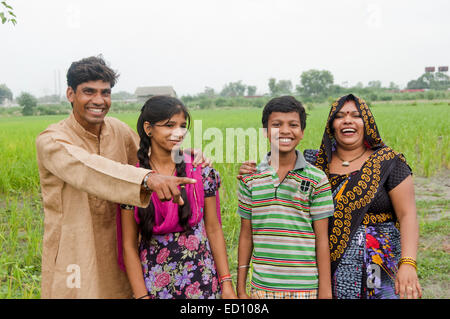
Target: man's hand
199,158
248,167
166,187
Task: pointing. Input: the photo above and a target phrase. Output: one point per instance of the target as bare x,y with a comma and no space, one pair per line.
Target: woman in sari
374,230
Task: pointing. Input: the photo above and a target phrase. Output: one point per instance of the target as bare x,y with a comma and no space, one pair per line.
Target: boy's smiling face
284,131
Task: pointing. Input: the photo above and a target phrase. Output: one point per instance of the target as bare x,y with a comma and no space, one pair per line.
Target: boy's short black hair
90,69
284,104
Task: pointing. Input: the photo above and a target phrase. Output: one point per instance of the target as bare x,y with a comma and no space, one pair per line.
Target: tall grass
421,133
21,232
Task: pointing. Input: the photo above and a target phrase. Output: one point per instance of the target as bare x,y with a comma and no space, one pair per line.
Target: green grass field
419,131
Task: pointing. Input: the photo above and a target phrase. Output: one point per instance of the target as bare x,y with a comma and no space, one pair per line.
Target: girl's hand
407,283
248,167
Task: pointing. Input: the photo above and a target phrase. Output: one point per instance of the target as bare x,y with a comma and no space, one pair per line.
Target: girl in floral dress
173,251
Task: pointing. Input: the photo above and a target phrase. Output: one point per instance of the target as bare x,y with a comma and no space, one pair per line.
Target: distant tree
227,90
284,86
209,92
416,84
221,101
315,82
300,90
374,84
441,81
273,86
7,14
187,99
393,86
251,90
427,79
279,88
435,81
336,90
28,102
5,93
233,89
359,85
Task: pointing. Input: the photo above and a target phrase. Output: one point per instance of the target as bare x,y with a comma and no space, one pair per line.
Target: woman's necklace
158,171
347,163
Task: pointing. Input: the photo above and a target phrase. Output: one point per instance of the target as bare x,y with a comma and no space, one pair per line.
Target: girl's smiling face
348,126
167,134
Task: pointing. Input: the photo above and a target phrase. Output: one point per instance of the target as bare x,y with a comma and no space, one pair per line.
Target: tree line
318,86
314,86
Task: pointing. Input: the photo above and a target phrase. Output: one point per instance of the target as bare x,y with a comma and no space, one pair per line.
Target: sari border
354,201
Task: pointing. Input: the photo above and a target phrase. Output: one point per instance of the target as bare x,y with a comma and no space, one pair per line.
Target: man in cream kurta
86,166
81,180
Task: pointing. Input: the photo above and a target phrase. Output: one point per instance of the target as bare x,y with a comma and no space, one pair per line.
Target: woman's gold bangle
407,260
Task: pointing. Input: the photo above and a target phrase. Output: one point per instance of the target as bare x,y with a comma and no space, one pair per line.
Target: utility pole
59,85
55,92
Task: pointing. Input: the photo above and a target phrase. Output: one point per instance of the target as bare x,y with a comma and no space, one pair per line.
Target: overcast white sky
191,44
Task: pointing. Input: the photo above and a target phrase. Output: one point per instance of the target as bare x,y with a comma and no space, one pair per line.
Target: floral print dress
180,265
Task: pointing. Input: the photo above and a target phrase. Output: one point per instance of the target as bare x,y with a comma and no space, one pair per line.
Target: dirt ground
432,188
433,208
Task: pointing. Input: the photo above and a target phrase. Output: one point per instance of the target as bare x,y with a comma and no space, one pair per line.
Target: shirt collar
81,131
300,163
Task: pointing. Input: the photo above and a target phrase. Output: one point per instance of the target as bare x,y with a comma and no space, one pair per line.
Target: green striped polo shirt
281,214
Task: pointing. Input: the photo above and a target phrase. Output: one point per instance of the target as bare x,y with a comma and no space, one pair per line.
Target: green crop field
420,131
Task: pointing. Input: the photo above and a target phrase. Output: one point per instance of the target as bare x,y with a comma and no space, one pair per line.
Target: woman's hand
403,201
248,167
406,283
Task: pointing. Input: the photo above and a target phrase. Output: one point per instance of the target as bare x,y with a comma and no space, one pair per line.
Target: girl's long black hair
156,109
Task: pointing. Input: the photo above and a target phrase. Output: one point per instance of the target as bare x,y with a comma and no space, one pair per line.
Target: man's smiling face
91,102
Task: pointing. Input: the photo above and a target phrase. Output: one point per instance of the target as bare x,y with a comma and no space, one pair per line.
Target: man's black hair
90,69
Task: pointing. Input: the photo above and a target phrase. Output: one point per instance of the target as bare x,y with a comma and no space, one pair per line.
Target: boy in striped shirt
284,208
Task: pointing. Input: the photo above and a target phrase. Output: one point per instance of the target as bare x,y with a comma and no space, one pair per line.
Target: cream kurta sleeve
91,173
